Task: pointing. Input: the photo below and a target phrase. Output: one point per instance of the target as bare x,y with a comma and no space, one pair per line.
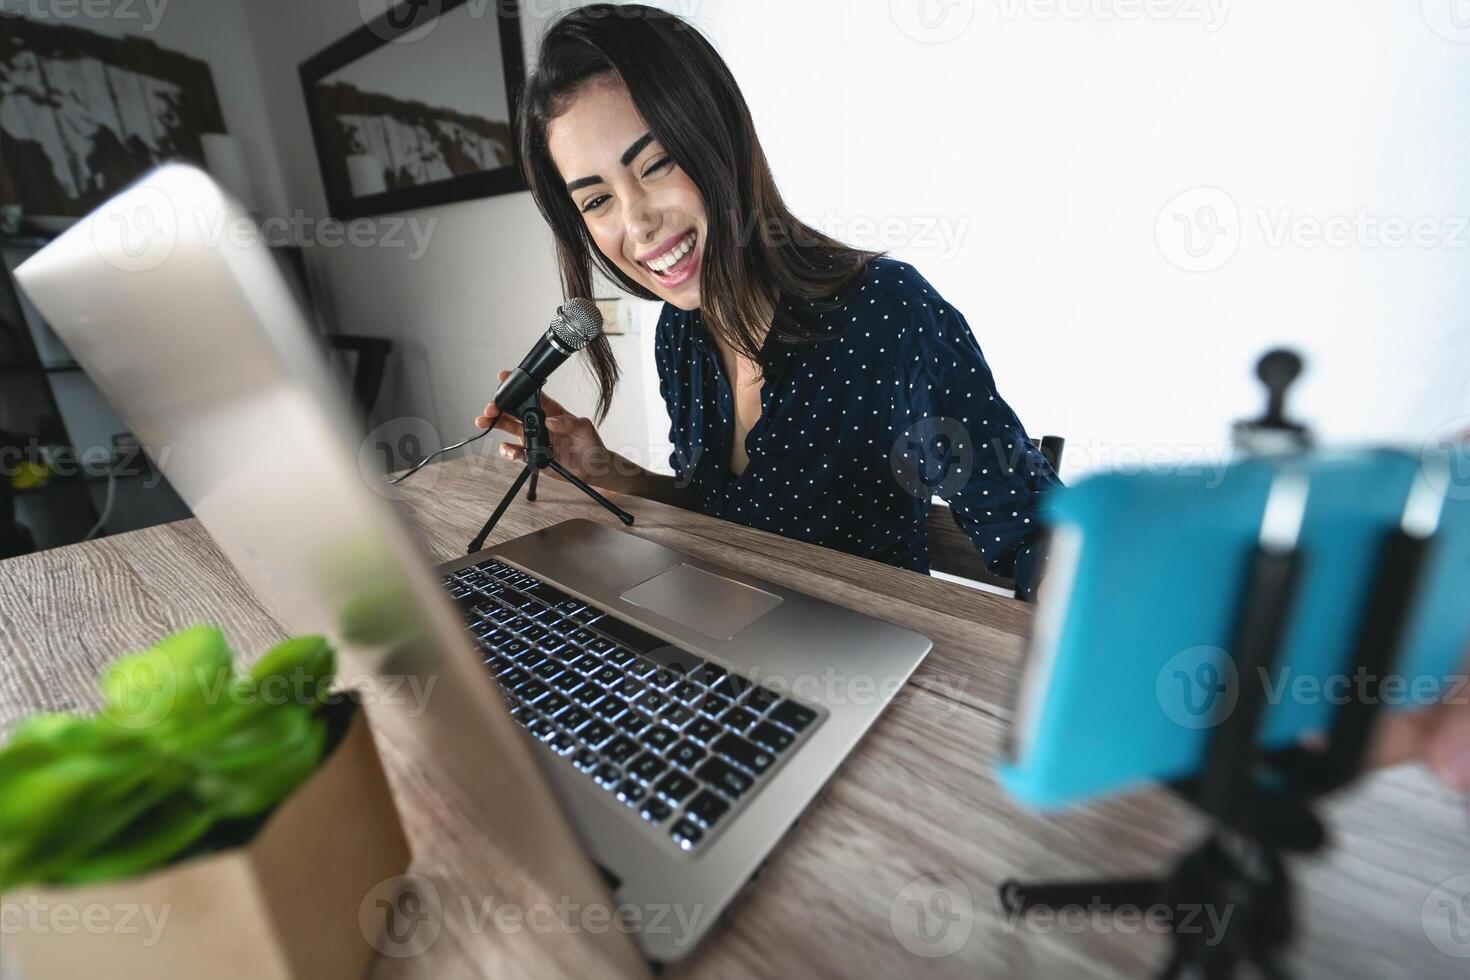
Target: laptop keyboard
679,739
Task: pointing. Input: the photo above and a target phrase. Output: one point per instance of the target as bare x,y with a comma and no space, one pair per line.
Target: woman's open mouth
675,266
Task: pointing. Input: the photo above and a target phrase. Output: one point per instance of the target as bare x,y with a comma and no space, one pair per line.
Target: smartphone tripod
1259,802
539,456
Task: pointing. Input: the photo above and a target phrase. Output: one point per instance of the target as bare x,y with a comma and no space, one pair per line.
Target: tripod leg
510,495
531,490
571,478
1135,892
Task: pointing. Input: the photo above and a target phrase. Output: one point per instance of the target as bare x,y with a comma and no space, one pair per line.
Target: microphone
577,323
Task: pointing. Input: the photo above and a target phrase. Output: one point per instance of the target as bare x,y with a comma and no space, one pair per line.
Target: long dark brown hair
757,252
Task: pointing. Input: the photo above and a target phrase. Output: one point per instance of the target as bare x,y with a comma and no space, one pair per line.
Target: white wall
1049,142
1028,157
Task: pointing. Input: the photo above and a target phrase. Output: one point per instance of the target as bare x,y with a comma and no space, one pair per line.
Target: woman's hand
574,441
1438,736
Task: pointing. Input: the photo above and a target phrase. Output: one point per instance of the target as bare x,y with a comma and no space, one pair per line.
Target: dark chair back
951,551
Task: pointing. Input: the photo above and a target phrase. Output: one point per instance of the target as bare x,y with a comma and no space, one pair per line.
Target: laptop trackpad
711,604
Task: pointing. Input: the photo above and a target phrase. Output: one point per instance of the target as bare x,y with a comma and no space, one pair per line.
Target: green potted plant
235,820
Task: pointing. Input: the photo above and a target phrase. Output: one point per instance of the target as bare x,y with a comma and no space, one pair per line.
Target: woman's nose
643,221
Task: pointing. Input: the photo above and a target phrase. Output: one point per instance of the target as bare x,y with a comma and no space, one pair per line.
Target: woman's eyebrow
628,156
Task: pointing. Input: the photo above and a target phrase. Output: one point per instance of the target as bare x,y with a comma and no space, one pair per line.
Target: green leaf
178,678
93,822
148,843
302,668
252,774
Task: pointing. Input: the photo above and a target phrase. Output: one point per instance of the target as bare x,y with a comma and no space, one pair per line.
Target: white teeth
671,258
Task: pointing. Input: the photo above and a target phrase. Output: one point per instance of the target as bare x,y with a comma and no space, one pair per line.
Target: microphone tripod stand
539,455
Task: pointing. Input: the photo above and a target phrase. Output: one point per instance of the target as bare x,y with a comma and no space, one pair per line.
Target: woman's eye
661,164
594,203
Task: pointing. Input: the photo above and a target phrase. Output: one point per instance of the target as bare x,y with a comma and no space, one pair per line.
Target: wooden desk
917,798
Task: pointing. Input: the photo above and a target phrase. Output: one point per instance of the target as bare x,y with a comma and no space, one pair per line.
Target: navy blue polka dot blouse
857,432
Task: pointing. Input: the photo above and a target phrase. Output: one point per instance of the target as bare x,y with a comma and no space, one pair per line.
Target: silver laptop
601,696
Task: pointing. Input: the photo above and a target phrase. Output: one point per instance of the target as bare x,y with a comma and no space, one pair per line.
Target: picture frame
392,135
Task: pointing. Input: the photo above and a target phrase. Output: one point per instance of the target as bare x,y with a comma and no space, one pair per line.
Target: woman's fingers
1449,746
510,450
492,413
550,405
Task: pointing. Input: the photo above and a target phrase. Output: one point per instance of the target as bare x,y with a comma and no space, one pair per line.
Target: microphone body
577,323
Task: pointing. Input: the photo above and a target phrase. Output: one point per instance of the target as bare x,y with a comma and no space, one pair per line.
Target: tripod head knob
1273,433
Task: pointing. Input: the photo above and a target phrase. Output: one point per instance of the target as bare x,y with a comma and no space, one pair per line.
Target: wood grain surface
917,799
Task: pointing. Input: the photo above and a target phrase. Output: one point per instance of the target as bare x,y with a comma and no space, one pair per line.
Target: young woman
815,390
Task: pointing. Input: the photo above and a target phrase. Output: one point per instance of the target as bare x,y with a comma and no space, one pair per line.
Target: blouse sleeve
971,444
662,359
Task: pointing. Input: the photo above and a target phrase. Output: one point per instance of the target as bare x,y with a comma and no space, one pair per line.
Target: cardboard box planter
288,902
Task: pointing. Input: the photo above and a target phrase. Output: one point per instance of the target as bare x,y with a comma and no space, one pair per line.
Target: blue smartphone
1129,658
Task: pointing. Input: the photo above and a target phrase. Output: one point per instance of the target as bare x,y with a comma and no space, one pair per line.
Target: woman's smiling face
641,209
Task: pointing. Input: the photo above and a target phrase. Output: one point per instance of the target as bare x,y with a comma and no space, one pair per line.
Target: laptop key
553,705
609,707
708,674
597,733
550,594
794,716
574,718
676,715
620,749
607,776
703,729
655,810
713,705
724,777
686,754
774,738
743,753
628,635
686,833
630,791
585,760
659,738
647,767
608,676
633,722
739,719
707,808
675,787
758,699
561,743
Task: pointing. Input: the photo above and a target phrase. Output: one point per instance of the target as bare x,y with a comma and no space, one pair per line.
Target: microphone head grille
577,323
